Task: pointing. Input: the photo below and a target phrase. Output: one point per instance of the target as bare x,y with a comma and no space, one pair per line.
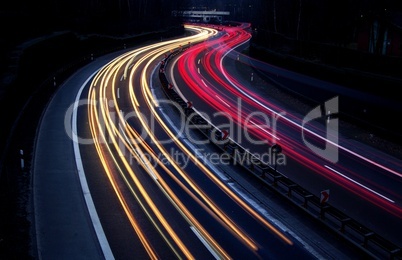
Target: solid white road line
104,244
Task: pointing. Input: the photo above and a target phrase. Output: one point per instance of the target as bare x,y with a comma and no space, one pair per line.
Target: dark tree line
25,19
327,21
315,20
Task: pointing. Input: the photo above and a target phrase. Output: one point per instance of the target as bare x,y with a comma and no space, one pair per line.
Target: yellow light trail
206,170
125,133
177,201
207,200
152,254
225,218
112,131
108,71
165,186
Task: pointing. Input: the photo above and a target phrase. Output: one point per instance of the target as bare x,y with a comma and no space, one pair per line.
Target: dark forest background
337,22
313,20
373,26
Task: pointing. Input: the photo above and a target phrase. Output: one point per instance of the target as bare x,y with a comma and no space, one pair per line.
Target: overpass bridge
201,16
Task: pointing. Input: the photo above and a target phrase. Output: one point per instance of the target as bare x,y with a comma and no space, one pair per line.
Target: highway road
176,205
363,182
151,192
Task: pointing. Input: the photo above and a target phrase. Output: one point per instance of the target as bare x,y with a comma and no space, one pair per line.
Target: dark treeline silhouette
312,20
364,35
24,20
323,21
27,19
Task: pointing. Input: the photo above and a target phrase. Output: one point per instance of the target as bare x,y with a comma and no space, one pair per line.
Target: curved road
365,183
115,175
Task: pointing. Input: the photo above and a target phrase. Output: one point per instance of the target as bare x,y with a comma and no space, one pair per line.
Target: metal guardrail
363,238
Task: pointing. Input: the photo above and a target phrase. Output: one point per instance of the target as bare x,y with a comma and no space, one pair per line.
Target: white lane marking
205,84
278,223
140,155
197,151
104,244
265,130
358,183
222,101
204,242
118,92
151,85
